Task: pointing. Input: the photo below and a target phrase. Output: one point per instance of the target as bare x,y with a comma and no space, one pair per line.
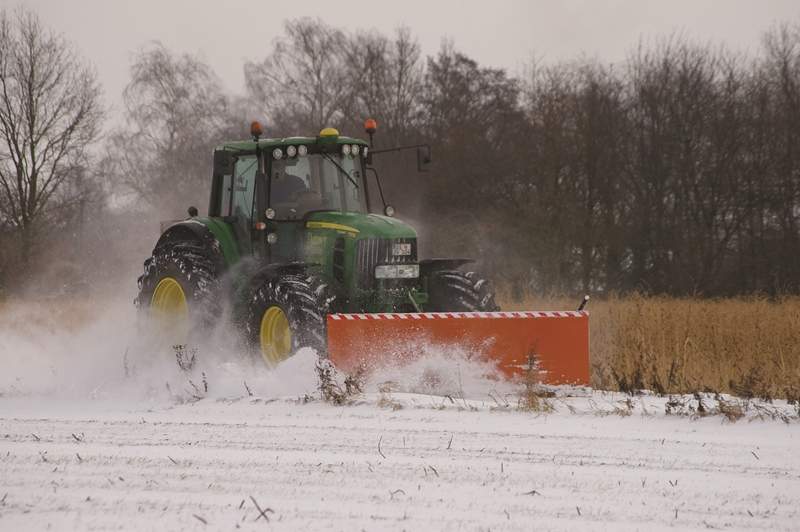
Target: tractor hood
359,225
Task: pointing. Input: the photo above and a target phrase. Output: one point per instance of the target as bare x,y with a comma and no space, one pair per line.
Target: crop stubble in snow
318,466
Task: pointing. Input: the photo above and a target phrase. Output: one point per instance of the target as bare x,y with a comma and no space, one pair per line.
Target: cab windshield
319,181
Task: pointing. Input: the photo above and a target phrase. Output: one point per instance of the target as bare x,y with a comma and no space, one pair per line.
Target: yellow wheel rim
171,310
275,336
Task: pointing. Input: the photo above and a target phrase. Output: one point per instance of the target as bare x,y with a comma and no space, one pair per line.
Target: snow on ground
98,433
422,464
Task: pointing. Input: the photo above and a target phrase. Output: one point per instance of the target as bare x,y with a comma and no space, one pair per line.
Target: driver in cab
291,195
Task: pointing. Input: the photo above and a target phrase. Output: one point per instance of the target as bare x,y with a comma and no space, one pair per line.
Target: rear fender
198,232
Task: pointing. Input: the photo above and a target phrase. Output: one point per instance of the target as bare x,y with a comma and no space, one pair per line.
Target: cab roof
263,144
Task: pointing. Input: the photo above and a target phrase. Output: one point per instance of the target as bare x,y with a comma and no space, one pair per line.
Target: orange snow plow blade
555,343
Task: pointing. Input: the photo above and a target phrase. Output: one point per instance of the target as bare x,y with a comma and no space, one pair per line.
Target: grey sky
502,33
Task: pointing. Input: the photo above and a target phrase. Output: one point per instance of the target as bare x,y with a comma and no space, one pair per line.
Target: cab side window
244,177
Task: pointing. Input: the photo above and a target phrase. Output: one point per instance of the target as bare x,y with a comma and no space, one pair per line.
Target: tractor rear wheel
287,313
178,291
456,291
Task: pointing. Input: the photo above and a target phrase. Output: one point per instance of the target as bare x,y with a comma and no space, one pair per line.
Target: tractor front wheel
456,291
285,314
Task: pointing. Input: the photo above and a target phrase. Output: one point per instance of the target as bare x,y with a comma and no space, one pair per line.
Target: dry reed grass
533,397
749,347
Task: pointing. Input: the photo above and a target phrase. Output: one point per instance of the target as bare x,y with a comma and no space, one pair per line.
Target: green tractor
291,239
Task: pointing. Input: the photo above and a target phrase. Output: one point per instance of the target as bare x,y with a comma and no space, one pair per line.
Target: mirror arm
401,148
378,182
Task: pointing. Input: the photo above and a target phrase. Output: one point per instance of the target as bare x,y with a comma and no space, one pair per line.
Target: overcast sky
503,33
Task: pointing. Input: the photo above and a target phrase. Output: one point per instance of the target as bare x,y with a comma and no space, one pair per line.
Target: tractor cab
268,189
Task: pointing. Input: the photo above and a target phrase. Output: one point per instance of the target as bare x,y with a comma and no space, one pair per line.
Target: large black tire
456,291
305,303
196,270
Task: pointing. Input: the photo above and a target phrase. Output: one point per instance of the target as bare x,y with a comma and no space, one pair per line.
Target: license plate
401,249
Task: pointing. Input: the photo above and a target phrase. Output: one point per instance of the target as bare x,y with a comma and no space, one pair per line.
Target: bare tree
176,111
49,114
385,77
302,86
781,75
471,116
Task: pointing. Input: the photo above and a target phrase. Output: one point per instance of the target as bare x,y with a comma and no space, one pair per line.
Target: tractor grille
371,252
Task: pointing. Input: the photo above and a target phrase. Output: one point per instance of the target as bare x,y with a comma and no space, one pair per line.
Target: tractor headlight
277,153
272,238
291,151
366,151
397,271
354,149
345,149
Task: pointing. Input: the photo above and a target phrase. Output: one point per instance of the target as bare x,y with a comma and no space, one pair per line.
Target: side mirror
223,162
423,158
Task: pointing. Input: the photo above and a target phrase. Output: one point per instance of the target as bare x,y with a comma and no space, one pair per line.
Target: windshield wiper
338,167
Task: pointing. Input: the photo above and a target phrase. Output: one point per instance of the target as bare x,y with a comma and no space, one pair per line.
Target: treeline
676,171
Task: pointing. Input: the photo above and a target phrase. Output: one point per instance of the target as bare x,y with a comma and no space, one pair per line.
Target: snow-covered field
93,435
429,465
